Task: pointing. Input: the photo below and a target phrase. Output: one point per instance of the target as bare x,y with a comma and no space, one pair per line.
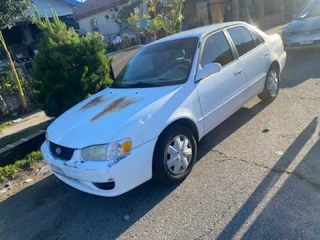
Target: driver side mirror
208,70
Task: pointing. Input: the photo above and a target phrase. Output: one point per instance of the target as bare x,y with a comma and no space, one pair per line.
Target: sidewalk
277,29
28,121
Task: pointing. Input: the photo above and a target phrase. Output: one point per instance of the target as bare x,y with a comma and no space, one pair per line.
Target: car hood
99,118
305,24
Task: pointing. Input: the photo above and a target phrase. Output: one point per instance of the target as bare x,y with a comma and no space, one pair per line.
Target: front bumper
301,41
126,174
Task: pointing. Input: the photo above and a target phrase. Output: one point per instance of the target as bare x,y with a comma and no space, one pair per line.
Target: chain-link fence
10,102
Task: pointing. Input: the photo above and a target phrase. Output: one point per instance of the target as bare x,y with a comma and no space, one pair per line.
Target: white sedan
166,99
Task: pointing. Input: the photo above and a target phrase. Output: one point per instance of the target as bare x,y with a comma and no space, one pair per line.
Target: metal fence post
209,12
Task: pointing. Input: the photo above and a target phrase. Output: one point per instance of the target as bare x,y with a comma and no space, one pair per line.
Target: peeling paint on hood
98,119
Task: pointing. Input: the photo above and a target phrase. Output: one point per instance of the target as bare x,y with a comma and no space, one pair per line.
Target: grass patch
6,124
11,171
23,133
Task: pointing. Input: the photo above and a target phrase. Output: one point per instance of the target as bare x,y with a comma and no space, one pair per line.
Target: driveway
239,187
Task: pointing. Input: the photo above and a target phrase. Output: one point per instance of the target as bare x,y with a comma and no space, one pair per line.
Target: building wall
202,13
106,26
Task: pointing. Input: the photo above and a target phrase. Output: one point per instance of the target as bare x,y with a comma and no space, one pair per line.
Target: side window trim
244,55
254,34
203,42
257,34
233,46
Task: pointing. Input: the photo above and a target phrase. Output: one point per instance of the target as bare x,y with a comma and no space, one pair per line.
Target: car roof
197,32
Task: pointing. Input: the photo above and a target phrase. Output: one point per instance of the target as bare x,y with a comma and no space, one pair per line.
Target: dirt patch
96,101
116,105
20,182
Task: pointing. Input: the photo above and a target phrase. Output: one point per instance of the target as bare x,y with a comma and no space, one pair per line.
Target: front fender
149,123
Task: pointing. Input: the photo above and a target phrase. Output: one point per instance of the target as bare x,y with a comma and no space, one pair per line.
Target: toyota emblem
58,150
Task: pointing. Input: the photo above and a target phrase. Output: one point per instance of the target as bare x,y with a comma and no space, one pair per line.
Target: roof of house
90,7
73,2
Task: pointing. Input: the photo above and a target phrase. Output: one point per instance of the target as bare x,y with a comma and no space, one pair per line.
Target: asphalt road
120,59
238,189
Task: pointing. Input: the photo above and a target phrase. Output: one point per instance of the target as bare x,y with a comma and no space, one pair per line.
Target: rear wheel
272,85
174,155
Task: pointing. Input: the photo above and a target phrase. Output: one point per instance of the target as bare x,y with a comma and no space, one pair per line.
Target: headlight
112,151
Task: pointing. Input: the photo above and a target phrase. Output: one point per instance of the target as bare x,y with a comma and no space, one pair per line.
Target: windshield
160,64
312,9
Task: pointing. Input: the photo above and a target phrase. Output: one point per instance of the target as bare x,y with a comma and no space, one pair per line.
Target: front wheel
174,155
272,85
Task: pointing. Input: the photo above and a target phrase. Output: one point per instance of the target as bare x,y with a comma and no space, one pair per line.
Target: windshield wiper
117,85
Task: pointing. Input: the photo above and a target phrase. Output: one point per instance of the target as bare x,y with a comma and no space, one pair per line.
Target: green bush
68,68
11,171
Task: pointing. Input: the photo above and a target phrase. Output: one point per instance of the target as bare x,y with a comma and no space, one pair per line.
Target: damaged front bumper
103,178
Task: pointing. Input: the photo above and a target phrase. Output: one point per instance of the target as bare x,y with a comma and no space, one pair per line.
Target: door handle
266,54
238,73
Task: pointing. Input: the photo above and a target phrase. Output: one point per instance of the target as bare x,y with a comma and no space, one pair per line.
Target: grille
64,153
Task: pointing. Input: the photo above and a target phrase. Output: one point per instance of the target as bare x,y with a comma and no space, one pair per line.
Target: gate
219,11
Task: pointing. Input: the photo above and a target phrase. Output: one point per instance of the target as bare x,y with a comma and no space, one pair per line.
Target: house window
94,25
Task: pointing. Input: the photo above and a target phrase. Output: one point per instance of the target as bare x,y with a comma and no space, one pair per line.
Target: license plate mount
306,42
57,169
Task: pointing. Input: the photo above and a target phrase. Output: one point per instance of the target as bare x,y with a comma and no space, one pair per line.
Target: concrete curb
17,150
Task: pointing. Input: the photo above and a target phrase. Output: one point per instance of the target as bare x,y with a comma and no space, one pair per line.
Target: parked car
304,30
166,99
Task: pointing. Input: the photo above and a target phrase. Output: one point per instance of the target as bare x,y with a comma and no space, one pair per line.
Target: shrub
68,68
11,171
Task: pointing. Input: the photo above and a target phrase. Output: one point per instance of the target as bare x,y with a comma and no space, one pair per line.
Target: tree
10,11
170,15
68,68
120,16
137,17
166,15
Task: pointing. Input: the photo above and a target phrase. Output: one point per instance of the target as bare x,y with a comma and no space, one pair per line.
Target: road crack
272,169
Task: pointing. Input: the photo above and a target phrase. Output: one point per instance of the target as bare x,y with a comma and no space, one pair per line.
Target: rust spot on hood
94,102
116,105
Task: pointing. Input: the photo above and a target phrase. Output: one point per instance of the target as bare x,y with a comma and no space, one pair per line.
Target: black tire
161,171
266,94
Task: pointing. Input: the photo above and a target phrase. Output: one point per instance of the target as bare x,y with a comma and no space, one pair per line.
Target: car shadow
300,67
266,184
293,211
228,127
50,209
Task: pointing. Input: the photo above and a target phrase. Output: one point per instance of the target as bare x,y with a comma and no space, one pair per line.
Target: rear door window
242,39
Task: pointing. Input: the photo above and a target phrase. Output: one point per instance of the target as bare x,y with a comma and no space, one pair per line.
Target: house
270,13
263,13
98,15
23,37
